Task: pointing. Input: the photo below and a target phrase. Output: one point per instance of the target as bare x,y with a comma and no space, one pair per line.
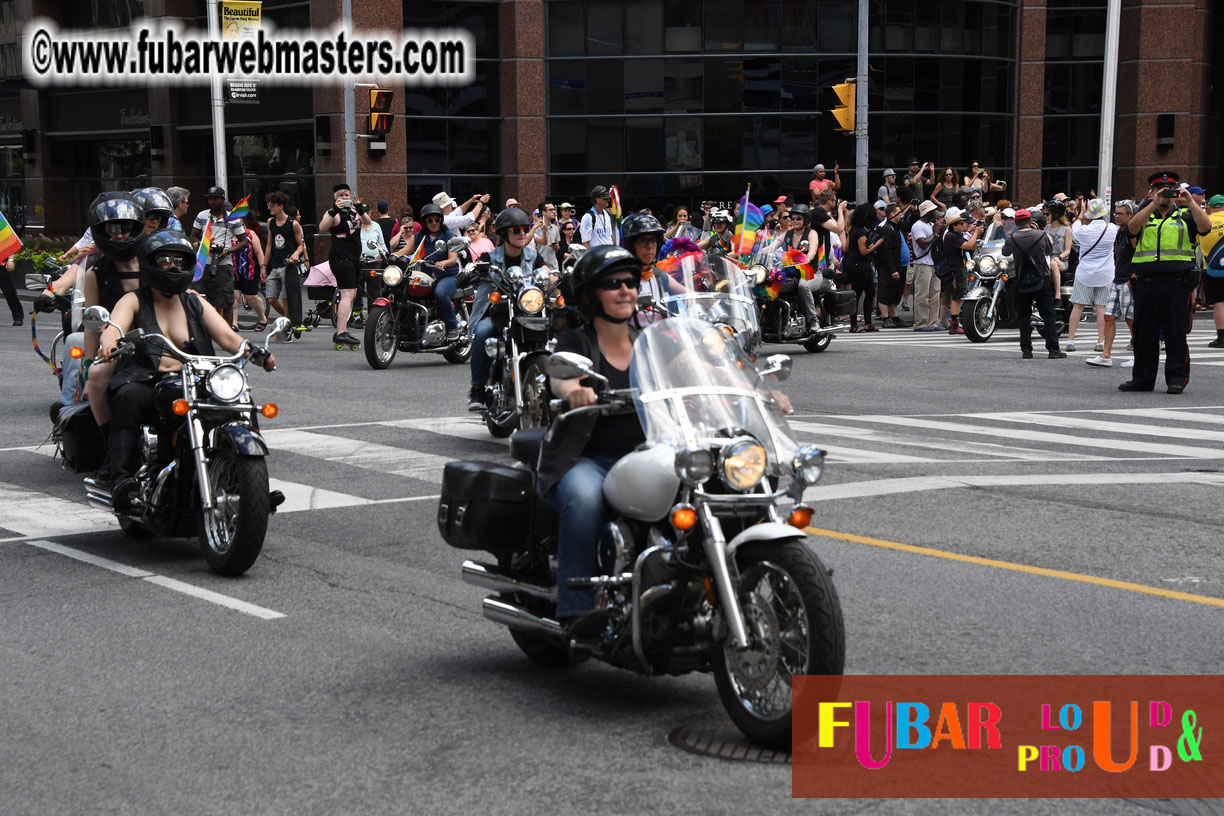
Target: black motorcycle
782,319
523,308
203,470
405,316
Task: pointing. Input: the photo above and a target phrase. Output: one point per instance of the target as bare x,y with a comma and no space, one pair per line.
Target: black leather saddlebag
841,302
81,443
485,506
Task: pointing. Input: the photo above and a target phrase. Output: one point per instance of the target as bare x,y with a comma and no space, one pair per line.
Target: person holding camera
1163,279
861,246
957,240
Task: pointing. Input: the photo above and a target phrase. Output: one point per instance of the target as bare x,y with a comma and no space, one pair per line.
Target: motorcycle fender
532,323
978,293
769,531
382,301
240,439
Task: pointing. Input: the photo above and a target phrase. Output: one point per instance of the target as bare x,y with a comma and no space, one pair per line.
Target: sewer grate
722,741
1182,807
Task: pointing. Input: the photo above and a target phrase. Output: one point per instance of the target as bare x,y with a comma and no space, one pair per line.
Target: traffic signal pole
1108,103
860,112
220,143
350,103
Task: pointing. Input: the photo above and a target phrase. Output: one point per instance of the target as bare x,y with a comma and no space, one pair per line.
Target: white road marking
1118,445
160,580
302,497
1104,426
31,513
1175,414
916,484
820,430
369,455
462,427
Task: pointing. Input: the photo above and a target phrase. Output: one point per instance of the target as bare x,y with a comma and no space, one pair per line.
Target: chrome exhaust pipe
485,577
98,495
518,618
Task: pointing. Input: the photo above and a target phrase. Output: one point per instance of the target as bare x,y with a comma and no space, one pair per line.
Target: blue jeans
481,363
444,290
578,499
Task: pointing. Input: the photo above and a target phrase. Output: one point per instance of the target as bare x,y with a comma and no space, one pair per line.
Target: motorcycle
203,471
405,316
782,318
523,308
703,568
990,301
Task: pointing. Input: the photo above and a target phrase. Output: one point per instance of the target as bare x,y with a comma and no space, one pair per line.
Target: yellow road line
1008,565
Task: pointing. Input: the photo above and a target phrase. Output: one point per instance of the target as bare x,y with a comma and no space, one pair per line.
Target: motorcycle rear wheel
979,328
818,344
381,339
233,535
794,622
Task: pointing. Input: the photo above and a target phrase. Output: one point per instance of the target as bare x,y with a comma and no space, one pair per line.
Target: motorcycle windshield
994,237
696,387
715,290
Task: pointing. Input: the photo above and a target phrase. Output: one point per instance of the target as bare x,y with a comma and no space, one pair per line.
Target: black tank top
281,243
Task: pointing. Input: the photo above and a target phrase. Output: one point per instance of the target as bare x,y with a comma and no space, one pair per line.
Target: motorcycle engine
435,334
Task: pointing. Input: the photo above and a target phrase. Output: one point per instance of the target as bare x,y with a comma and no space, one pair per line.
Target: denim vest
498,256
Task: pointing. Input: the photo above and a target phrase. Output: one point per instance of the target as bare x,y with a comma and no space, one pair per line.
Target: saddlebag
81,443
841,302
485,506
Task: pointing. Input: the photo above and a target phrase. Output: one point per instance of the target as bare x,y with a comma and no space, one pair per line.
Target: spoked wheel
381,338
232,534
496,420
794,624
535,396
461,352
979,327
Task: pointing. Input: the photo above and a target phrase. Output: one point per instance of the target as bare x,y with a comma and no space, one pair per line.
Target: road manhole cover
723,742
1182,807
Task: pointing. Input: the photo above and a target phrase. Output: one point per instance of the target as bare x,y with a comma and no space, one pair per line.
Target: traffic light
844,113
380,111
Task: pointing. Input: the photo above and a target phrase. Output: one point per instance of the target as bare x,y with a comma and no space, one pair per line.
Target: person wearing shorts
344,222
226,238
1095,274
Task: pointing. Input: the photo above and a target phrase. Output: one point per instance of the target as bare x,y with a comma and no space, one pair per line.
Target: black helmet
639,225
801,209
155,202
167,262
1055,209
112,215
428,210
594,264
510,217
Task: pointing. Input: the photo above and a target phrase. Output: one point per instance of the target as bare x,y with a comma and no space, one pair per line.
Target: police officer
1167,227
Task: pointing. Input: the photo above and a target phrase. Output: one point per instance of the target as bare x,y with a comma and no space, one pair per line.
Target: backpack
937,251
1029,278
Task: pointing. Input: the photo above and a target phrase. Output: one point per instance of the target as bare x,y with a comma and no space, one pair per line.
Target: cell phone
1168,193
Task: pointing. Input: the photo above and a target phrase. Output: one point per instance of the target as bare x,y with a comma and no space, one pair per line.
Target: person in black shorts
344,223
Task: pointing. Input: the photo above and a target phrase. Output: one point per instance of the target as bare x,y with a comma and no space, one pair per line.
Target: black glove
44,303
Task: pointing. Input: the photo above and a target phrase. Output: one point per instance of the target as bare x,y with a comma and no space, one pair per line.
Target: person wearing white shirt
595,229
456,218
1095,273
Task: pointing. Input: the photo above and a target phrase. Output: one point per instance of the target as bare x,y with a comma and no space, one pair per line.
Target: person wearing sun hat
1094,275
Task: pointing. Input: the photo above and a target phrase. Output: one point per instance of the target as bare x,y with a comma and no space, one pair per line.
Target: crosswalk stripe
822,430
31,513
1175,414
463,427
1127,428
1119,445
342,450
916,484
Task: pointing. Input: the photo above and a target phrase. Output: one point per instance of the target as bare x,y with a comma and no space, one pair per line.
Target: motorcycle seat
525,445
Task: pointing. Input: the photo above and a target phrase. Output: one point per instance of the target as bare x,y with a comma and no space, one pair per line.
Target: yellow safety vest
1164,239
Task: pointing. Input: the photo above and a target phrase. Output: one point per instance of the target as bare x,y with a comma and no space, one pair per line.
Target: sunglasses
170,261
120,227
519,230
433,219
612,284
975,164
567,229
472,230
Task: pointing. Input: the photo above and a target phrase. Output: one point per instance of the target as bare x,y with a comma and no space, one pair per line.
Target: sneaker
1099,347
1058,355
1104,362
926,328
954,328
1070,348
941,326
1128,363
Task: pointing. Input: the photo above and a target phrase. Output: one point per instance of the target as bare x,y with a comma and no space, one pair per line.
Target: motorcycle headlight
743,463
531,300
808,464
756,273
986,265
1005,264
226,383
694,465
392,275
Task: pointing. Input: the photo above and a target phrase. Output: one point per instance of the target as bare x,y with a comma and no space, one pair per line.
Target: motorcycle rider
445,264
721,239
516,249
798,233
162,305
157,208
578,454
643,235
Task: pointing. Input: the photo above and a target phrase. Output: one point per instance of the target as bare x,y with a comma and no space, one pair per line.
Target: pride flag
9,242
241,210
202,252
615,214
419,254
795,258
750,220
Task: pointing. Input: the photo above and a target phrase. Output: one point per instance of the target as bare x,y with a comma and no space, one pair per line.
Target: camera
1168,192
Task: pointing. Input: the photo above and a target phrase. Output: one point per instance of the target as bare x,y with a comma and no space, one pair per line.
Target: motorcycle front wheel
819,343
979,328
535,396
794,622
381,338
232,536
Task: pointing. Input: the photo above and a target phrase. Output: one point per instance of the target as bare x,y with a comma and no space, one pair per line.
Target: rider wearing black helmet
643,235
445,264
162,305
516,249
157,208
574,464
799,232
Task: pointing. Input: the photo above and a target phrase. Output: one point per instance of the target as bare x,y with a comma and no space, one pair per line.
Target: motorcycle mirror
778,365
96,318
439,245
36,282
568,365
280,325
514,273
457,244
372,244
803,246
757,271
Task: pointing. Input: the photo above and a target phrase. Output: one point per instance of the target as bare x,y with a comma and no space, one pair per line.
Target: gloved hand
44,303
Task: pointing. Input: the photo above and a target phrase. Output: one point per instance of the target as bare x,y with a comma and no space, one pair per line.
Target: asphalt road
351,671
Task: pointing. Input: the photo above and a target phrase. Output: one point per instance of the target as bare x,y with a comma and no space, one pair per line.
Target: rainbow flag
615,214
750,220
202,252
241,210
795,258
9,242
419,254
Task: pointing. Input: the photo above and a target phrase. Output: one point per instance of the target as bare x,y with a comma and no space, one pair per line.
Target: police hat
1164,177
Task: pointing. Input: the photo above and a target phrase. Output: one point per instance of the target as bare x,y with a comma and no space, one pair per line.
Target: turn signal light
560,302
269,410
800,517
180,407
76,352
495,297
684,518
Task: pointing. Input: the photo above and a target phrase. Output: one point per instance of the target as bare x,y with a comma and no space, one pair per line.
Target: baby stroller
321,288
